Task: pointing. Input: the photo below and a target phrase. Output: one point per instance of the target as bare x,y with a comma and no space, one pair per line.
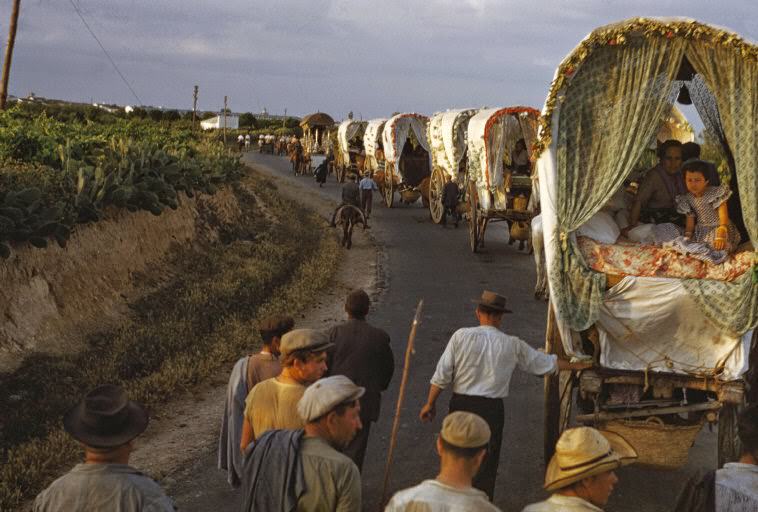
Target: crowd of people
298,416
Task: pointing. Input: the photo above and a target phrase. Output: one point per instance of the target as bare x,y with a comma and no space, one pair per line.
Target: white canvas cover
395,134
371,138
345,132
447,134
492,133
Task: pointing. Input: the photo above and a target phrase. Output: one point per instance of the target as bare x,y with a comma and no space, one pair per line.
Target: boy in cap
247,372
304,470
461,446
478,363
367,187
272,404
362,353
581,474
105,423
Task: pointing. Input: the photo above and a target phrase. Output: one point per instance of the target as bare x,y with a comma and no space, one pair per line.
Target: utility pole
9,53
194,107
225,99
284,121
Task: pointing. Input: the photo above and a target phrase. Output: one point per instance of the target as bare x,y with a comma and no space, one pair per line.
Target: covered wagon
373,146
407,162
672,336
447,135
316,128
350,155
498,188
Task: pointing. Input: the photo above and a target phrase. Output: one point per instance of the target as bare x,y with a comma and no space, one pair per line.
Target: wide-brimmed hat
583,452
492,301
106,418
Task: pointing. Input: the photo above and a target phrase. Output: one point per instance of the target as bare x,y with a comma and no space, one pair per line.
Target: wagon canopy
493,133
605,103
345,133
315,128
447,138
371,139
395,134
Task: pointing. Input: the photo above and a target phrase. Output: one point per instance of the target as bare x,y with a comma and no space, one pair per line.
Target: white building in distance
232,122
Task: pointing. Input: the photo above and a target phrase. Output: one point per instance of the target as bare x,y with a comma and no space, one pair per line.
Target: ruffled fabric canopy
345,132
395,134
447,134
371,138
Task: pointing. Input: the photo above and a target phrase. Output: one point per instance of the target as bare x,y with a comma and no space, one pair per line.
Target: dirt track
415,259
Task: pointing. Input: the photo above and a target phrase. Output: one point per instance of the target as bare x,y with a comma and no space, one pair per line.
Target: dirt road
422,260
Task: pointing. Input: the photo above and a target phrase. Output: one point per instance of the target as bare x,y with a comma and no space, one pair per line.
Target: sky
371,57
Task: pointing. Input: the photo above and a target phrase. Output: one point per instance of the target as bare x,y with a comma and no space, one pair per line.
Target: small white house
232,122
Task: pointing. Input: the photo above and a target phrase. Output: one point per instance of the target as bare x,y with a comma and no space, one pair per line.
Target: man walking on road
362,353
461,446
303,470
106,423
478,362
272,404
247,372
367,187
581,475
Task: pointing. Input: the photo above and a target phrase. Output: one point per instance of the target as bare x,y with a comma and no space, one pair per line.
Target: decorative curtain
733,78
609,111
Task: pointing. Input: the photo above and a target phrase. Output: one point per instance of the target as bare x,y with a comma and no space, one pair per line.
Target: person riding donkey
351,197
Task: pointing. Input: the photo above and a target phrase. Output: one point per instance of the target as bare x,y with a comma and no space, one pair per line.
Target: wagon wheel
389,190
473,218
436,209
559,391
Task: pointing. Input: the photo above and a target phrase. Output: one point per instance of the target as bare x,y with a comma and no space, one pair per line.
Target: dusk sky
371,57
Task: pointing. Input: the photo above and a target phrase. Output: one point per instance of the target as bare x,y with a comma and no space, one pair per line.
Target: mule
347,217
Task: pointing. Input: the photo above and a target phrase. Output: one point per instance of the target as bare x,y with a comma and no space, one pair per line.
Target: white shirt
737,487
367,184
480,361
434,496
560,503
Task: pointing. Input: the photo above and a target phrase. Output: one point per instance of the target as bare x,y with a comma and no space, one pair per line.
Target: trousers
492,411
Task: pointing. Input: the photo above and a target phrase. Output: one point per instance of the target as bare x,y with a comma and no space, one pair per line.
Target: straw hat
583,452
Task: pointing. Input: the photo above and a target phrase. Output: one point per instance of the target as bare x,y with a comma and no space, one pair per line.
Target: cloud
333,55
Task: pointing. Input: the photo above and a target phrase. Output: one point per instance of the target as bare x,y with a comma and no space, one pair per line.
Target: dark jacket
351,194
362,353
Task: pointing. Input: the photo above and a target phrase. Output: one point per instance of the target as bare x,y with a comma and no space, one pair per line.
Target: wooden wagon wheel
473,218
389,189
729,445
559,391
436,187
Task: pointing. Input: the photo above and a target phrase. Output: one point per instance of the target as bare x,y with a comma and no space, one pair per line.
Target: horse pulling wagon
492,193
673,337
407,164
447,135
348,157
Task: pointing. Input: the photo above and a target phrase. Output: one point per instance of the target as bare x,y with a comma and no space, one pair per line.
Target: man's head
331,410
462,443
272,329
490,308
357,304
106,422
690,150
584,464
303,354
747,430
353,177
670,154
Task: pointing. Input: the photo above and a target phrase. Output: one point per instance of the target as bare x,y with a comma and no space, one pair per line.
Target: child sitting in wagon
709,234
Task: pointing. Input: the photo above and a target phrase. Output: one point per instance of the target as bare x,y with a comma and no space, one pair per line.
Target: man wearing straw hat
478,363
461,446
106,423
581,474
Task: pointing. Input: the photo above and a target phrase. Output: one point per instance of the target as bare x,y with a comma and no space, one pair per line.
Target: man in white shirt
582,472
478,362
462,446
367,187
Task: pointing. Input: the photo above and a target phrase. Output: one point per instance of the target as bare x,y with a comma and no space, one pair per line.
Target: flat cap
325,394
304,339
465,430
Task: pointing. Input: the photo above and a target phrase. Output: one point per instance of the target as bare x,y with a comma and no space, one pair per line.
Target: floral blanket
629,258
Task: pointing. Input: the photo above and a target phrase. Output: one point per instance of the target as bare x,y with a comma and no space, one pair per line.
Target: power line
79,13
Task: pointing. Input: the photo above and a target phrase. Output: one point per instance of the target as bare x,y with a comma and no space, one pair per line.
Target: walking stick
400,395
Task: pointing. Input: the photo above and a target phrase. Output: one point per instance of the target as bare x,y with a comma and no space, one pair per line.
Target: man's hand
428,411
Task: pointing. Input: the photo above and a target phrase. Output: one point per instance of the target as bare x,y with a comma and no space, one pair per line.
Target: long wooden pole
9,53
400,396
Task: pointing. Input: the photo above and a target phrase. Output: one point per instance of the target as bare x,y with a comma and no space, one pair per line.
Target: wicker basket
658,445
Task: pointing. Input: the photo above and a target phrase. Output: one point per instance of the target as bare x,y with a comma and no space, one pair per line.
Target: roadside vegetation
201,316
